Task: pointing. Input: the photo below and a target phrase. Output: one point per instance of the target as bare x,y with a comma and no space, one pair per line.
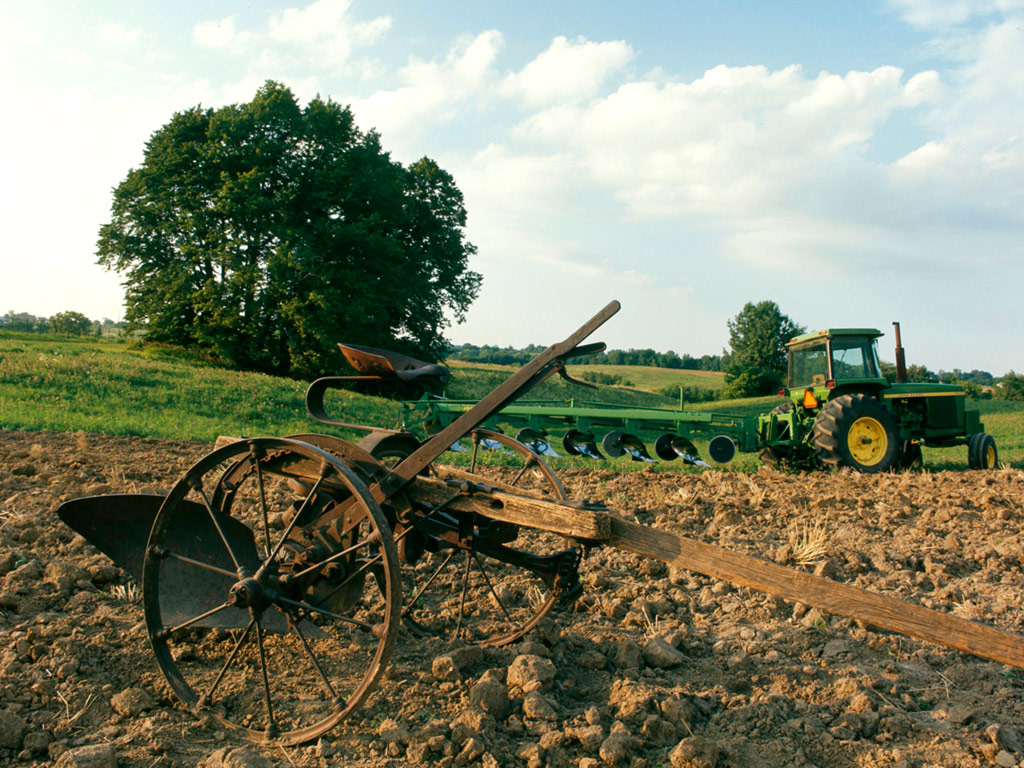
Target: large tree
266,232
70,323
758,336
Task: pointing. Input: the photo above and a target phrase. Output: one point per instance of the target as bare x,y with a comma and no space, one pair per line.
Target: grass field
652,379
110,387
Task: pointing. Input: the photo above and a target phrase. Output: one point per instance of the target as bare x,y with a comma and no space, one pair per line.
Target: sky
858,163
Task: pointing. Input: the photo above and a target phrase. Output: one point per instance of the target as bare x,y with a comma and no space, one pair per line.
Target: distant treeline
65,323
977,384
471,353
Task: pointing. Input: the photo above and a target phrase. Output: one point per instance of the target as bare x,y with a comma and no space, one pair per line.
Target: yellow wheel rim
867,441
990,457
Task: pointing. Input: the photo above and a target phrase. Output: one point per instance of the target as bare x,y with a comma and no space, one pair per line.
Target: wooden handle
790,584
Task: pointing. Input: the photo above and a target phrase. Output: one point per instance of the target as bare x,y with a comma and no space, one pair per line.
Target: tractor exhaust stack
901,360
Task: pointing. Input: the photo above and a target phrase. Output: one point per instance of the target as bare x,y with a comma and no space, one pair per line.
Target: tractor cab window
808,365
854,358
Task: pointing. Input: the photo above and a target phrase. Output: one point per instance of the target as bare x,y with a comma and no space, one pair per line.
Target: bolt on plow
277,571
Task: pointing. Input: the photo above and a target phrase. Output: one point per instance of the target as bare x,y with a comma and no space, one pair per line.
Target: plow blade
536,442
721,449
669,447
489,444
578,443
119,525
617,443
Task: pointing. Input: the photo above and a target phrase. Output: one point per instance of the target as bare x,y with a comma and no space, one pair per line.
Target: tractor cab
826,363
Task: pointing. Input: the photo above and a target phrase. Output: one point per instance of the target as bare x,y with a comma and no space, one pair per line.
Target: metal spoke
295,518
490,587
419,592
208,696
358,572
200,617
462,599
335,556
200,564
521,472
263,505
372,561
271,727
216,524
325,612
316,664
374,536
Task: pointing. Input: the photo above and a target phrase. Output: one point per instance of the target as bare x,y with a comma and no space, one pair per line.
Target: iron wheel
271,589
494,585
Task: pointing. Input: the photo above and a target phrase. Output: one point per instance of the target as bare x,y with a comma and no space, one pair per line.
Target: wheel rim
990,456
867,441
490,593
252,619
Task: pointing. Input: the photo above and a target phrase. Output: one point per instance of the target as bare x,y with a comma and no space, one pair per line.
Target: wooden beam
843,599
566,519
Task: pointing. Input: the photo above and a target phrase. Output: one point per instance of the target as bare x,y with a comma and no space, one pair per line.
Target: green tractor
843,412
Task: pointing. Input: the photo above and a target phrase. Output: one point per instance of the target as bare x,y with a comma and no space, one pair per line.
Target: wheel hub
249,593
867,441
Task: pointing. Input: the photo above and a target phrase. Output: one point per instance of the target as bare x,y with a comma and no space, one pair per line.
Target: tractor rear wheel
856,431
981,452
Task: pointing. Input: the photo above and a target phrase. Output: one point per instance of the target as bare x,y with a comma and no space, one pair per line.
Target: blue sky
856,162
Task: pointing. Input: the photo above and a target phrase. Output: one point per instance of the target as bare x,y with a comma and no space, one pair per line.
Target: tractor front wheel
856,431
981,452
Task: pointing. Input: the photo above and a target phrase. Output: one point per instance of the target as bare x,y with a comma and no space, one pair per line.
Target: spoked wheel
489,583
271,589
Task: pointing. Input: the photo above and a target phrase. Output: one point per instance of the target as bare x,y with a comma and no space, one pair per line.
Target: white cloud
947,13
216,34
432,90
567,71
320,34
733,143
924,160
780,162
326,28
118,33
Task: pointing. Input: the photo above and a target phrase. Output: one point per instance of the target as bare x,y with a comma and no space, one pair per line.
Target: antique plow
277,571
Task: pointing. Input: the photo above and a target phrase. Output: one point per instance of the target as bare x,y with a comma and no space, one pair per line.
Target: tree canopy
758,336
1010,387
70,323
267,232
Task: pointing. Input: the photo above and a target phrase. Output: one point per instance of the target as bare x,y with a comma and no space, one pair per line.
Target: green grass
640,377
108,387
652,379
113,388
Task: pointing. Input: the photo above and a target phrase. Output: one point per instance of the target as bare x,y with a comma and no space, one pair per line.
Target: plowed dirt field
652,666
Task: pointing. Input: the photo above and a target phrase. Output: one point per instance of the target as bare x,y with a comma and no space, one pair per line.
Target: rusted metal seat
384,364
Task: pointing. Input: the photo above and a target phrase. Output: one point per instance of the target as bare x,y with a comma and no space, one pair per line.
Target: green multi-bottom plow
581,420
